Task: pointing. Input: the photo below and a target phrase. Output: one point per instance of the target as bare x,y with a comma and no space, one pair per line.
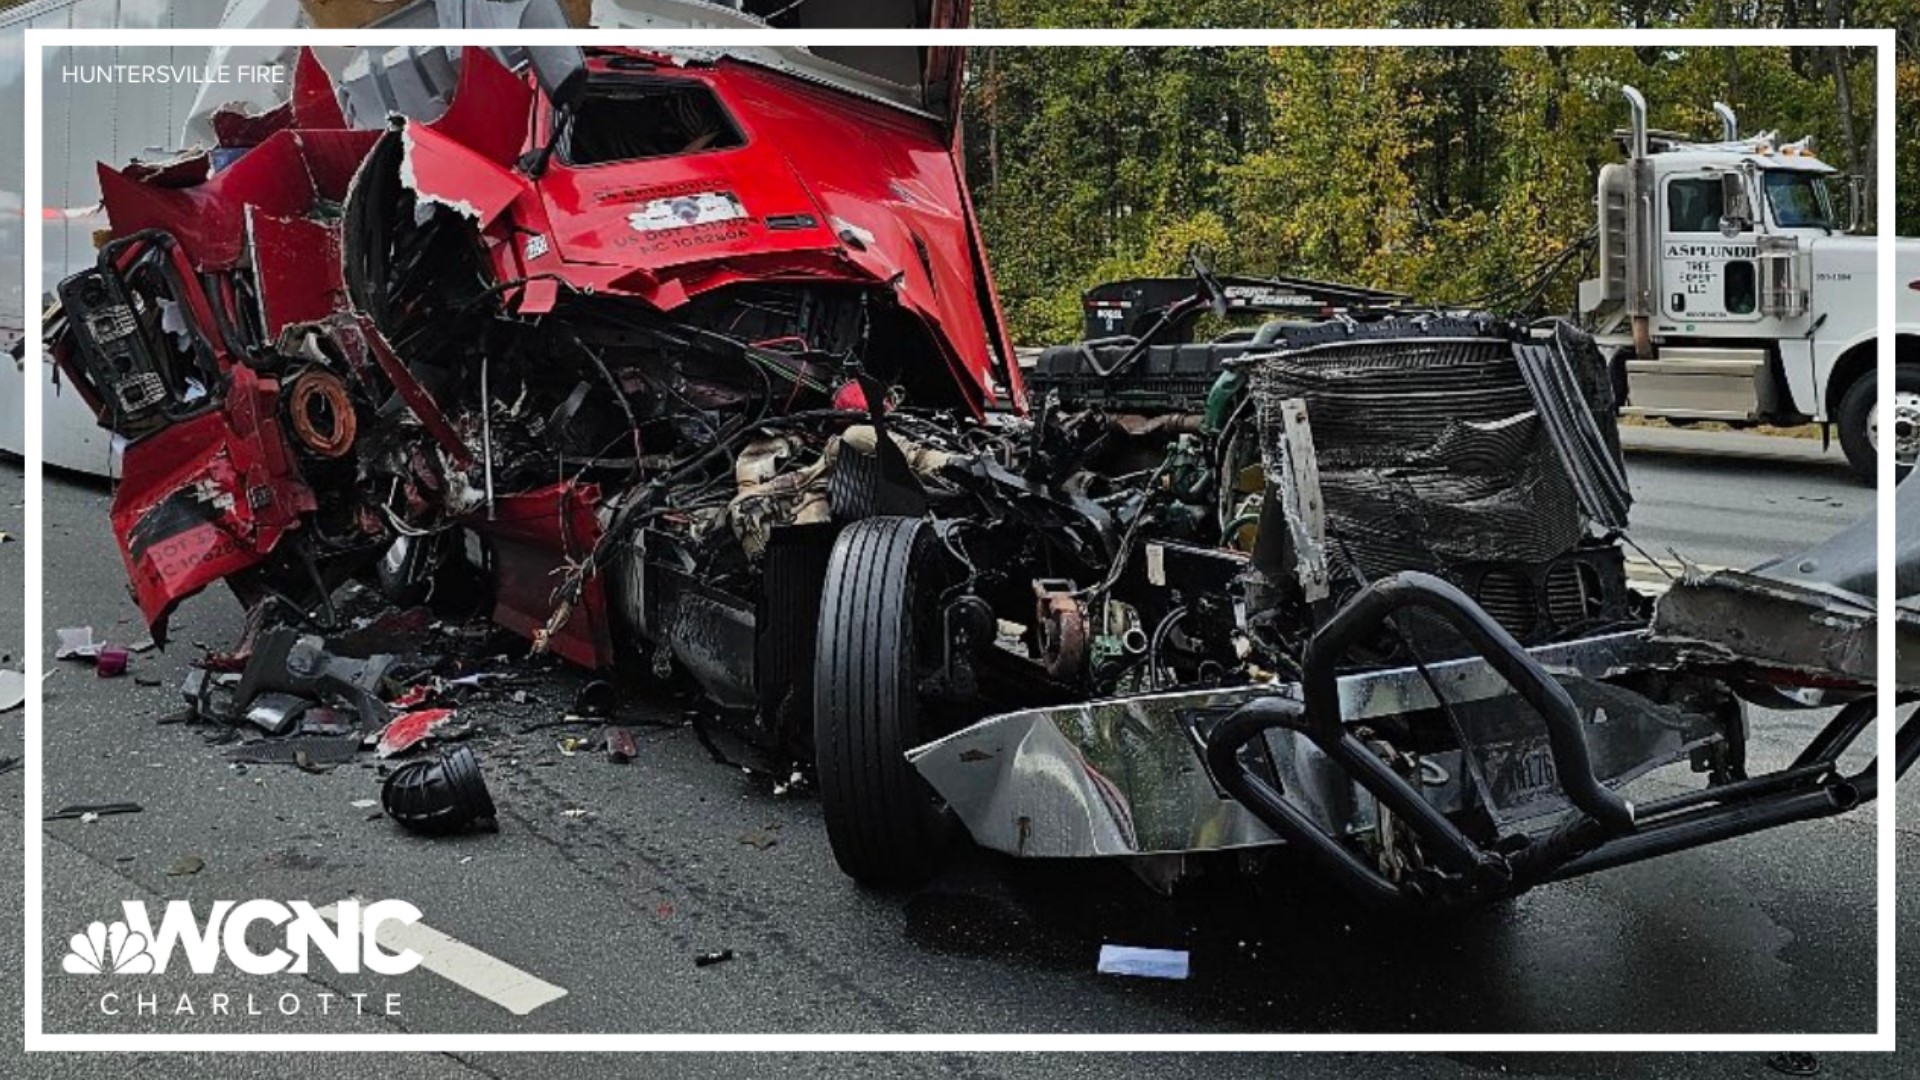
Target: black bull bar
1606,831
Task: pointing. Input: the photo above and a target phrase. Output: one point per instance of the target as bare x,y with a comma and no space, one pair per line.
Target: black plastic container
439,796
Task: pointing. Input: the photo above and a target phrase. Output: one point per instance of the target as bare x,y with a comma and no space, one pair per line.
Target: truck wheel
1864,420
878,629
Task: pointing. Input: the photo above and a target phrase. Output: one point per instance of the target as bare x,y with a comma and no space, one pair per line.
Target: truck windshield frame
645,117
1798,200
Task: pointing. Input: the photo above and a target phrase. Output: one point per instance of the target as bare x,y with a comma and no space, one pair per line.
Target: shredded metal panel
1595,469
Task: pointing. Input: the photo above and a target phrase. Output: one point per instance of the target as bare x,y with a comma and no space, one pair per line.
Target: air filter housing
439,796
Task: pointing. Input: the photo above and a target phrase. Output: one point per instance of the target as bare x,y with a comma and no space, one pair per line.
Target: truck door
1705,275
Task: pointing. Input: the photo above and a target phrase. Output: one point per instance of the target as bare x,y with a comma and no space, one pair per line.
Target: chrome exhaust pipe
1638,105
1729,124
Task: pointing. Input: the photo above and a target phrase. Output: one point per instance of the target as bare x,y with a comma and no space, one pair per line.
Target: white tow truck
1728,290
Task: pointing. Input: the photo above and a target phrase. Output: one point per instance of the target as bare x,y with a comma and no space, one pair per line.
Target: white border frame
34,958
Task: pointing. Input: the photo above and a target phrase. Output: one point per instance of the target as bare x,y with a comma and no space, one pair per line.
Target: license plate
1520,778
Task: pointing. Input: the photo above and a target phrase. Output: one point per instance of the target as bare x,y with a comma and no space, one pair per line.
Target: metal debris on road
13,690
93,811
276,713
708,959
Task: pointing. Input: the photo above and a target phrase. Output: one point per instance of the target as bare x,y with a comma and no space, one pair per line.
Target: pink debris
110,662
405,731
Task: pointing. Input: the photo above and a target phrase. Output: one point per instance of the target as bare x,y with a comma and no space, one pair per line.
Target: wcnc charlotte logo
344,936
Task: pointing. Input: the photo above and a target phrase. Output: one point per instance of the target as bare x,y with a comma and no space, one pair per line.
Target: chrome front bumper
1129,776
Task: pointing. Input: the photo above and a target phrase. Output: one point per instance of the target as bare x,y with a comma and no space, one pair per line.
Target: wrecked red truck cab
667,182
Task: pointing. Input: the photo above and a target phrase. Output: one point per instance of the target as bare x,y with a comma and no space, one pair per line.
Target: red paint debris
406,731
414,697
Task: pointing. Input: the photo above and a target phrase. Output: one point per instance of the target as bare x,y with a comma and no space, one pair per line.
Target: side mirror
1736,209
561,71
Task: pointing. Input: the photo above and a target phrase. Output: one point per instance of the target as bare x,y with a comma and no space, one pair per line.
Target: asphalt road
1732,499
608,879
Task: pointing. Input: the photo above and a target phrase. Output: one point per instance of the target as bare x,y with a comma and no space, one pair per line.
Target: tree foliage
1451,173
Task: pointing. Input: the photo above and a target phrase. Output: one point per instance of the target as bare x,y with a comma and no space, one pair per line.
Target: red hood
823,184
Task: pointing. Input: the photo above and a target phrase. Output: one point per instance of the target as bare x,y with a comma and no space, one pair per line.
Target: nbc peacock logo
108,949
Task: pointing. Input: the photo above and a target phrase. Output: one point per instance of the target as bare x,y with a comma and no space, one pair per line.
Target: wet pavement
607,880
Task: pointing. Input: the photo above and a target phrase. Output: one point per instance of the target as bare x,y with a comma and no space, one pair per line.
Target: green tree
1448,172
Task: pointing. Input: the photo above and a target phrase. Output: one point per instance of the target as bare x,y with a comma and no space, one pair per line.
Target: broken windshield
633,118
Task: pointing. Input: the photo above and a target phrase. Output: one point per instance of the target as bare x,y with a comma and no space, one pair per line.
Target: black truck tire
1855,417
885,824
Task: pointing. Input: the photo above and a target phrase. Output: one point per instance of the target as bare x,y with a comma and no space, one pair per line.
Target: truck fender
1857,357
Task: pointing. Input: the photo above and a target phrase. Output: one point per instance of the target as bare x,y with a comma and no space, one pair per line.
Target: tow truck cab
1729,288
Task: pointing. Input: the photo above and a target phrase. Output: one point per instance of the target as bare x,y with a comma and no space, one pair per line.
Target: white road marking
461,964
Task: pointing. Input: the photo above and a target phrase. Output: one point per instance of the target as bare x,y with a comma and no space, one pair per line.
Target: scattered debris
620,745
287,661
441,796
13,690
1143,963
759,839
76,643
93,811
413,697
320,720
110,662
364,804
186,866
708,959
410,729
147,680
574,812
276,713
8,764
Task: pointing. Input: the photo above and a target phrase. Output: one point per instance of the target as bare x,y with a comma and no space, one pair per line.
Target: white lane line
461,964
